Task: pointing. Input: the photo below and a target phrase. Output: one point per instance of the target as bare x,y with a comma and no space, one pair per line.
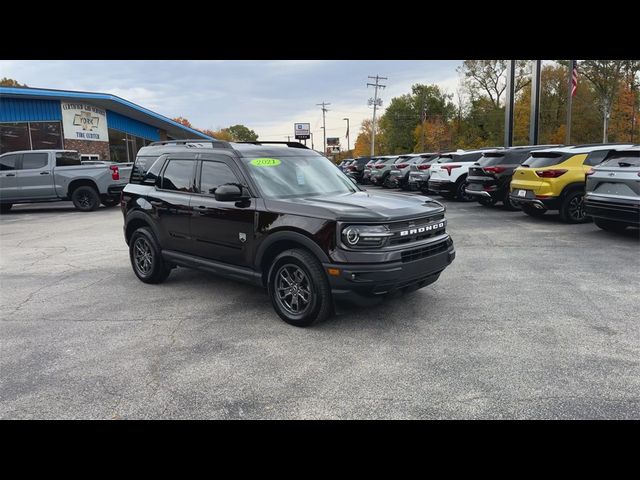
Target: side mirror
231,193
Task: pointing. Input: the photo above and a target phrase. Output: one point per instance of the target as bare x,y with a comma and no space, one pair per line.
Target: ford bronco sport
280,216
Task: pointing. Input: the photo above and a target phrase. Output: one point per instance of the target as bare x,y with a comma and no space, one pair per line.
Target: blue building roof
45,109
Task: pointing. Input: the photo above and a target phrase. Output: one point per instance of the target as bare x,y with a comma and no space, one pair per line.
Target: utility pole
311,133
375,103
572,66
535,103
324,130
605,125
423,117
508,110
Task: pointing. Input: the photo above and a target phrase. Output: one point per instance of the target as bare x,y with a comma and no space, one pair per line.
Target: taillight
401,165
115,172
590,172
424,167
550,173
448,168
494,169
379,166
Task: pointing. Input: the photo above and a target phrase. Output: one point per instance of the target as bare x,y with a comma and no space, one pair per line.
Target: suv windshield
288,177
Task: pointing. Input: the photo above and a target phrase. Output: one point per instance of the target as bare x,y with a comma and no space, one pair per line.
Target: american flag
574,77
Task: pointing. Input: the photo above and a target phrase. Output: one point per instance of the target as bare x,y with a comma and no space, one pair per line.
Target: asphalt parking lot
534,319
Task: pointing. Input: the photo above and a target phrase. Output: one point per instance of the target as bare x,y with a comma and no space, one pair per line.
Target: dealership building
100,126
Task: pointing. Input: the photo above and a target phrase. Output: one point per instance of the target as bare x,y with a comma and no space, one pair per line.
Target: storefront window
118,146
45,135
14,136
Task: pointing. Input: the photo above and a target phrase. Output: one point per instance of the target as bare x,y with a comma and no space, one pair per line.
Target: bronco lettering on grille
426,228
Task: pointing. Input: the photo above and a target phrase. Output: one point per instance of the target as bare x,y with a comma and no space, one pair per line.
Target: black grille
418,253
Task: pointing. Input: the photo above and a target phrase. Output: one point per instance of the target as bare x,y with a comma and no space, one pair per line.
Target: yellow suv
555,178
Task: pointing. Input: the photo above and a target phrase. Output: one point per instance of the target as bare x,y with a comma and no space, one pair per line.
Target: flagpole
569,102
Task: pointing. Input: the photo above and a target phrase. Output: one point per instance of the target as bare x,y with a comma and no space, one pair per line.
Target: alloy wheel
576,208
143,256
293,289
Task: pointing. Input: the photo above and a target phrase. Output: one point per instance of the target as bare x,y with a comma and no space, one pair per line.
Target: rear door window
67,159
34,161
178,175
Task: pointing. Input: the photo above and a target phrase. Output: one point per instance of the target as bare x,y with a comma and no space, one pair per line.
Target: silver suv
613,190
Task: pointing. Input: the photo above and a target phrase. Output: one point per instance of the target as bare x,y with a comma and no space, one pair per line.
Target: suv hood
378,207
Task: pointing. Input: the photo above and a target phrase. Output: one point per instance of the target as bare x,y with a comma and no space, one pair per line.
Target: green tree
240,133
489,78
10,82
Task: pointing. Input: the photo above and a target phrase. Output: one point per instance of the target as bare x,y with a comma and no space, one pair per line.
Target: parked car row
581,182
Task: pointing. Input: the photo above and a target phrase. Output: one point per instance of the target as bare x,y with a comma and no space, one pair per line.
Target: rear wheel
460,191
5,207
533,211
609,225
146,258
572,208
299,289
85,198
506,202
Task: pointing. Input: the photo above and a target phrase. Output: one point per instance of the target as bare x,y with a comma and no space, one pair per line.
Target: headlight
362,236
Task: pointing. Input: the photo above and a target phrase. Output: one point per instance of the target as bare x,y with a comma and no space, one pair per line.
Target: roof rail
190,141
288,144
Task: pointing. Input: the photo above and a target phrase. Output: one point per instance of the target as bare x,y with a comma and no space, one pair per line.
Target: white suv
449,172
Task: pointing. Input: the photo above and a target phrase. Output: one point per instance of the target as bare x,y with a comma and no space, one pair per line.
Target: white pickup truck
449,173
49,175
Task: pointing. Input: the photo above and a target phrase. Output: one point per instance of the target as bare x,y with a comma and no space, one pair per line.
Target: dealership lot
534,319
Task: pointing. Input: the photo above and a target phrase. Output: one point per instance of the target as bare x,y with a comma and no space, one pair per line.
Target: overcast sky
267,96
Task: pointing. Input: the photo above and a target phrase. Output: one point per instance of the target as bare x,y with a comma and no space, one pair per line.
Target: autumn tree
10,82
362,147
182,121
489,78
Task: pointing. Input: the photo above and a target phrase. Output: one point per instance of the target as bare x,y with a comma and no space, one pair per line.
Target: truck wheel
85,198
146,259
461,195
572,208
609,225
299,288
533,211
5,207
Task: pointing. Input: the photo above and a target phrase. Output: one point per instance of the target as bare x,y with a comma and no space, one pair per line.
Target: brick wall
88,147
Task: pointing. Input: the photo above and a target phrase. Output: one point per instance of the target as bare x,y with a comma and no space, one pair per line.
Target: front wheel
572,208
299,289
609,225
85,198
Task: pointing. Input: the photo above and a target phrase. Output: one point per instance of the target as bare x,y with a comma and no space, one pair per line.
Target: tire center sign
81,121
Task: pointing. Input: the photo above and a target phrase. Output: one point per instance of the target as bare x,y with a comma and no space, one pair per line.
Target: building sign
333,141
81,121
302,131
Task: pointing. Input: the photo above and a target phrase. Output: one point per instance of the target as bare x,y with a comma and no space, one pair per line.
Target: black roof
243,149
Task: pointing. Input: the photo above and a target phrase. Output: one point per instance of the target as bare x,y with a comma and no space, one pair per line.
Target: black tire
609,225
506,202
143,244
460,194
5,207
487,201
307,277
572,208
85,198
385,181
533,211
109,202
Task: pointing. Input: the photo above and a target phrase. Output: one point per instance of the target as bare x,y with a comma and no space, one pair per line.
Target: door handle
10,175
155,203
44,173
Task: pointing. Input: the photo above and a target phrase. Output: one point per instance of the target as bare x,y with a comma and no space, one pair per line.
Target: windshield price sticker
265,162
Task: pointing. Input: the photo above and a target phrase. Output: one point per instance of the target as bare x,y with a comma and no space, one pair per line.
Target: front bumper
359,282
616,209
441,186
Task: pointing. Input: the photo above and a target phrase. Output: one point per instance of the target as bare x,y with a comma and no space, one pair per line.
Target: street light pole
348,147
